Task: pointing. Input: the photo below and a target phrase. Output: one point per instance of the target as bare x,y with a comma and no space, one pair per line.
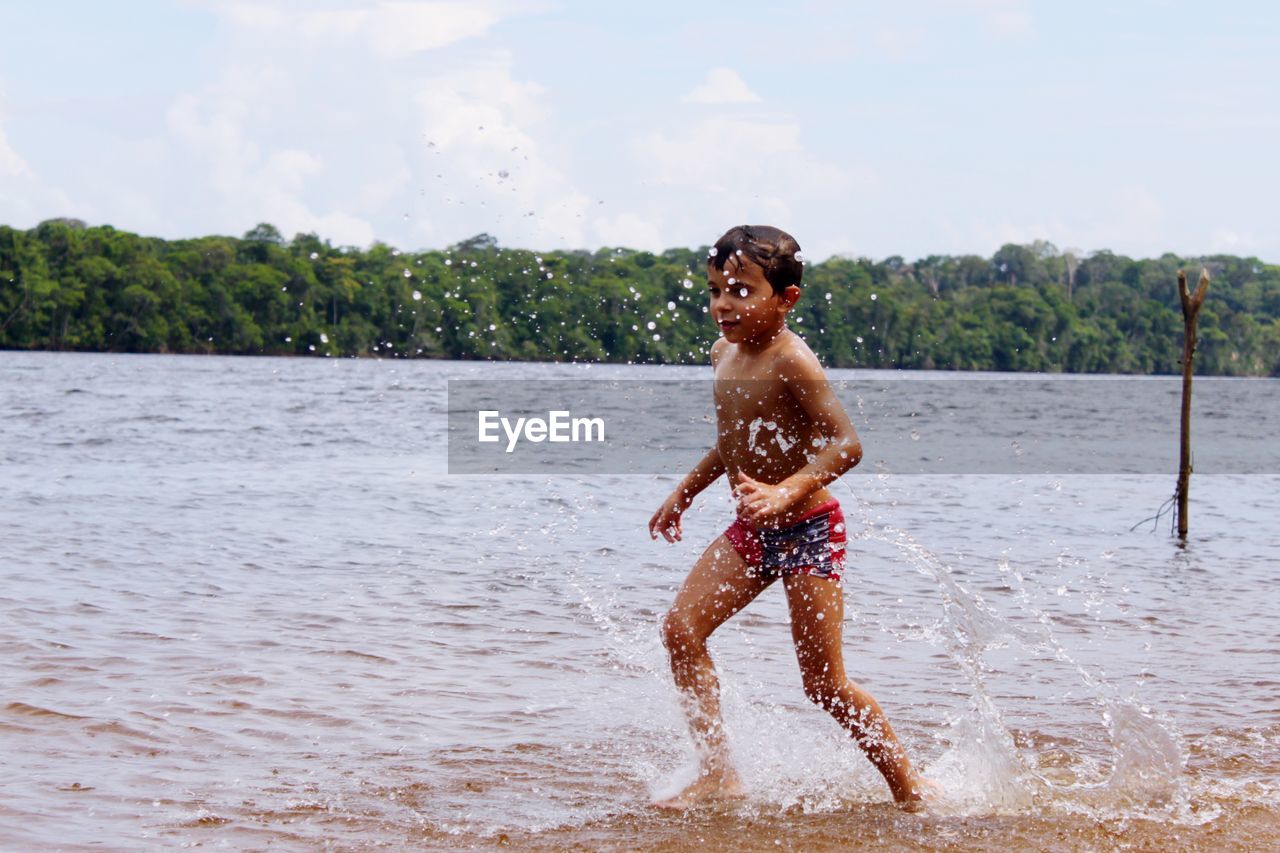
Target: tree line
66,286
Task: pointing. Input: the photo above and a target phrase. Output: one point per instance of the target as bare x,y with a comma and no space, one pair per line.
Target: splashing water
985,764
984,768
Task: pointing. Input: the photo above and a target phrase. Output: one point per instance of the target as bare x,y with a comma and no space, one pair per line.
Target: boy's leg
817,617
720,584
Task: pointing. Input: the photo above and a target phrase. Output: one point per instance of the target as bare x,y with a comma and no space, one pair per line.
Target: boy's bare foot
923,792
709,787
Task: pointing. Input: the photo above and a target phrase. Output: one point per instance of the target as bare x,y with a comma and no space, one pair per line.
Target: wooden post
1190,311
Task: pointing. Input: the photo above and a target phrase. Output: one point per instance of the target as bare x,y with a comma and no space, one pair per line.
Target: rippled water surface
244,603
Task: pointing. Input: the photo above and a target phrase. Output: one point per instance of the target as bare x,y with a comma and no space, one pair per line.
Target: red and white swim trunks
814,545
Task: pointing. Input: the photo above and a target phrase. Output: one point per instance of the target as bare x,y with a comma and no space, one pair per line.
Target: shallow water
244,603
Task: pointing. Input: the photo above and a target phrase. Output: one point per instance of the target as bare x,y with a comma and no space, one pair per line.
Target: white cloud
290,167
254,16
1229,241
25,198
398,29
899,43
722,154
631,230
722,171
245,177
721,86
333,23
1007,19
383,190
457,152
269,141
478,131
11,165
390,29
985,236
315,114
1128,220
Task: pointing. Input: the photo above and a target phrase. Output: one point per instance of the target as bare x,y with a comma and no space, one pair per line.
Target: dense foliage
67,286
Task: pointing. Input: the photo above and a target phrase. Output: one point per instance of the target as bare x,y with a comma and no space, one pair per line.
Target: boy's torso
762,429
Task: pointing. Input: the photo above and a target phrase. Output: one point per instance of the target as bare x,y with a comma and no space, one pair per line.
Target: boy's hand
758,502
667,519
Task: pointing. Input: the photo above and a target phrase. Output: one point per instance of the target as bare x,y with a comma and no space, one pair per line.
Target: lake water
244,603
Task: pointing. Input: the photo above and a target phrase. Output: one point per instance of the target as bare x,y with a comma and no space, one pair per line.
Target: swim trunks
814,545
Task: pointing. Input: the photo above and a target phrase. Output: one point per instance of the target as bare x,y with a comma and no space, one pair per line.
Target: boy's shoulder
717,350
794,360
789,358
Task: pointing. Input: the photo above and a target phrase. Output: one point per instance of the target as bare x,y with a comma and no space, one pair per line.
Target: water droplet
743,293
651,325
493,327
408,273
711,253
288,340
448,262
829,297
687,283
671,306
315,255
324,339
858,339
800,257
657,337
874,297
311,347
417,296
732,281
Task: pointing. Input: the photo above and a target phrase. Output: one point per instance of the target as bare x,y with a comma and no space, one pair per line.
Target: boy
782,436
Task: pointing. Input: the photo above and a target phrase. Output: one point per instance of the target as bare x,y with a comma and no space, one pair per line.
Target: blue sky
864,128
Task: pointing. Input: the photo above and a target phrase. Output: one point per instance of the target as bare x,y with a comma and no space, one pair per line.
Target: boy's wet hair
773,249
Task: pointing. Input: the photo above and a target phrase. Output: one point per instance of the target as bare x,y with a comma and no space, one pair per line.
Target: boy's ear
790,297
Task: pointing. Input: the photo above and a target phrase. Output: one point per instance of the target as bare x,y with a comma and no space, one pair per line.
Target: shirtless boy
782,436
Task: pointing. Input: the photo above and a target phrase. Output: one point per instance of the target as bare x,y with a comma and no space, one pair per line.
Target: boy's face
743,303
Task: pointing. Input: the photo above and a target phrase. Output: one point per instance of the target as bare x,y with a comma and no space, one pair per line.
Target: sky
863,128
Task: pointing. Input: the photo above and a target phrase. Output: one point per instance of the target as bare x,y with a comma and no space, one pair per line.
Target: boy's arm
804,377
667,519
711,467
702,475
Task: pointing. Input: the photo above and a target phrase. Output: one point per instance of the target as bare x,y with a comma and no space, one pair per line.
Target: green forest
68,286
